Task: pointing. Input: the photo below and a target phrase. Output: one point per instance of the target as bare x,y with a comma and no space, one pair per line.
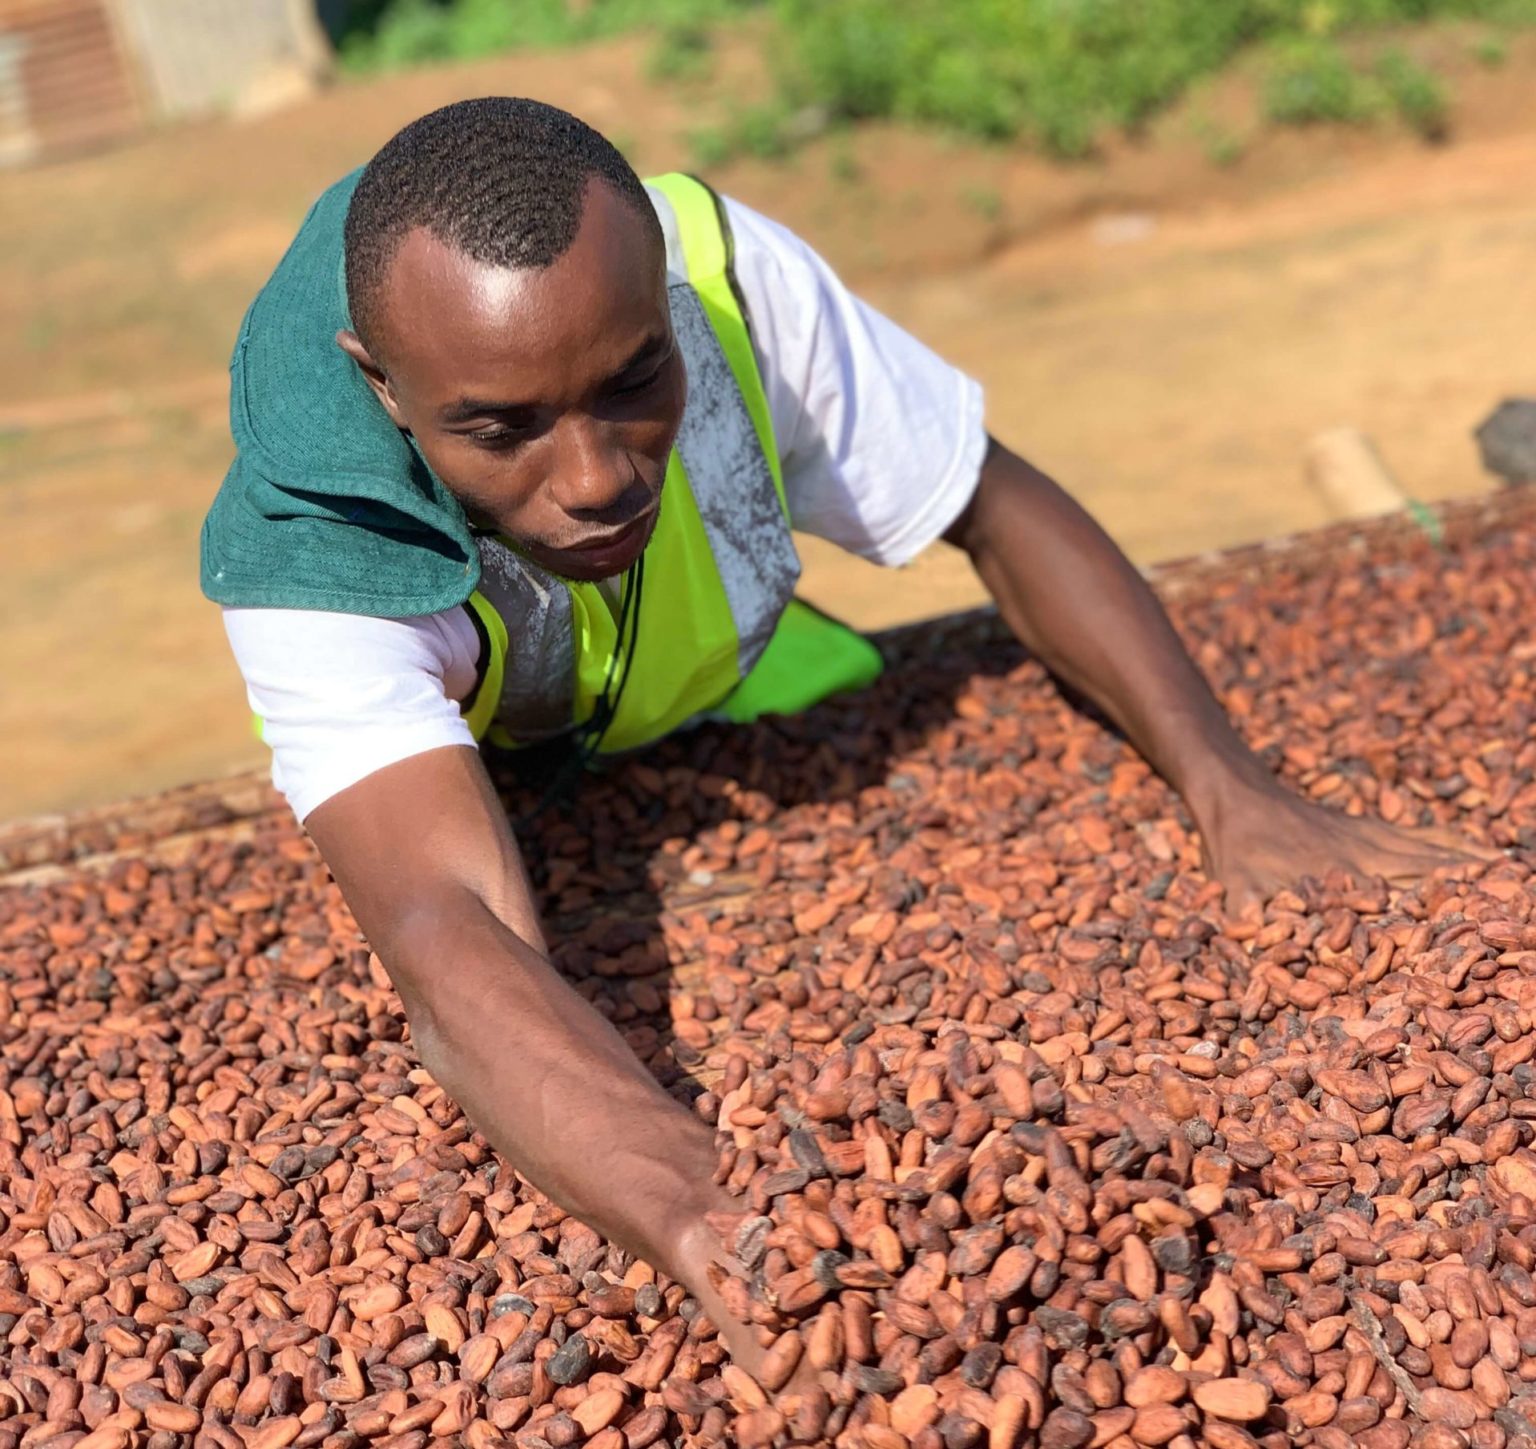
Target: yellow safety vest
719,630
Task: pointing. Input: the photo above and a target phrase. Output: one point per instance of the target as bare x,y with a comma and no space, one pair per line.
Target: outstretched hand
710,1245
1262,838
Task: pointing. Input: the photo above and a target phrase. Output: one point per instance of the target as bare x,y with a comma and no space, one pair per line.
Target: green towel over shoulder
327,505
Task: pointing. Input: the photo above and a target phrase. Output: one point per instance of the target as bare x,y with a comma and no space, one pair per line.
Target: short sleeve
881,440
343,695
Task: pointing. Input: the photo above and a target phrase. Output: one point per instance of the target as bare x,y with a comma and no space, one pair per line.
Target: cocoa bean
1031,1143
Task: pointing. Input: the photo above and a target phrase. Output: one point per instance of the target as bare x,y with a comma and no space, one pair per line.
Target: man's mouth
605,543
608,554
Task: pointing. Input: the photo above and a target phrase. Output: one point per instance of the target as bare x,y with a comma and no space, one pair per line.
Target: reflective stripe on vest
720,567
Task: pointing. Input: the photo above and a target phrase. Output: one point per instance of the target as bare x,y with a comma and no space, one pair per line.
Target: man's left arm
1075,601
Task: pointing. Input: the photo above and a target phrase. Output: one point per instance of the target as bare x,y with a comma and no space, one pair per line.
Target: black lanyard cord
589,736
629,624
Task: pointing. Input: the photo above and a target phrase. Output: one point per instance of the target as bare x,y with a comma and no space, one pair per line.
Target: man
520,441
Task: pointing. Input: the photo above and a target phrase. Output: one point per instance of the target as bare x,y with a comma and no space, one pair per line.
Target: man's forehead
453,315
427,265
612,238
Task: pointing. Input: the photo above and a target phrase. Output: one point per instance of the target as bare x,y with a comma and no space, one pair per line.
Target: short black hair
500,179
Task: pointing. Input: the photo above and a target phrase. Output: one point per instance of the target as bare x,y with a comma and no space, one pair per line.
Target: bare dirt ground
1163,334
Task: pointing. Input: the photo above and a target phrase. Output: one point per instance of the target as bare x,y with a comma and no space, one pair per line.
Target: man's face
547,400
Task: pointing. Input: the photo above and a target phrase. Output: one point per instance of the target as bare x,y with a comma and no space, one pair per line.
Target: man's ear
352,345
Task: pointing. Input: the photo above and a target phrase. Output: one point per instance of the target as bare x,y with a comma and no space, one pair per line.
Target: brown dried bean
1037,1145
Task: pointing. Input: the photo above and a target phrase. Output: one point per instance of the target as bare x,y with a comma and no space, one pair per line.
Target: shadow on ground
623,868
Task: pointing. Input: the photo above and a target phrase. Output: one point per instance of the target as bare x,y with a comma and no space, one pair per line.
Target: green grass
764,132
769,132
397,33
1066,73
1418,97
1061,75
1315,81
1311,80
843,165
1223,146
1490,50
711,146
985,201
683,52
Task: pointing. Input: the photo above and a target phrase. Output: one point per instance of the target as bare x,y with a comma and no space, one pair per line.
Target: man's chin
571,570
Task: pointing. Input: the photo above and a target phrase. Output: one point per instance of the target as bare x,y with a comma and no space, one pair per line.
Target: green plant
985,201
1490,50
1058,73
409,29
768,132
1312,81
1418,97
764,132
410,32
710,146
844,165
1064,72
1064,128
1222,145
682,52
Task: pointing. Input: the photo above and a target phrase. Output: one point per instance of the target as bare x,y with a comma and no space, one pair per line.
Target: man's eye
640,384
493,437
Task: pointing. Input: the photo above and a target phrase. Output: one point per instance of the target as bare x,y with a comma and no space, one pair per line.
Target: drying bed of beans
1032,1146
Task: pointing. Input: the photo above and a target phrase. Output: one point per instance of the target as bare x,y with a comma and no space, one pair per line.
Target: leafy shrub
1314,81
712,146
1311,81
1222,145
768,132
682,52
1060,73
410,32
1063,72
1416,95
1490,51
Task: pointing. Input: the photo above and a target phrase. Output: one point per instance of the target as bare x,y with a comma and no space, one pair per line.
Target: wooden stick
1370,1326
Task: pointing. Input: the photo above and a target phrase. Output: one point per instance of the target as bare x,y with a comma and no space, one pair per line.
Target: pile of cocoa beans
1033,1144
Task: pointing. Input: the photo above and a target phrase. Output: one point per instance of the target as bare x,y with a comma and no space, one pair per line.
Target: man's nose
592,471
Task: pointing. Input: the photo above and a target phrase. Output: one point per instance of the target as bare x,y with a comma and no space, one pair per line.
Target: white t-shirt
881,443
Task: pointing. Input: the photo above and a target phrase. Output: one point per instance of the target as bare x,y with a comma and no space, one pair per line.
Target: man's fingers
1419,841
1404,862
1393,851
1475,852
1409,866
1442,839
1312,841
1444,848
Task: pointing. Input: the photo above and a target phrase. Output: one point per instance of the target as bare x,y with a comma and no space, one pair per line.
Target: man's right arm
424,856
363,716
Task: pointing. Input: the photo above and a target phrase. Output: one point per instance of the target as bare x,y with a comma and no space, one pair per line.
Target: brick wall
65,79
77,73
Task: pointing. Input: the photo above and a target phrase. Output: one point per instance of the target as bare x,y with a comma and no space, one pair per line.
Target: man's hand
1257,839
1074,600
